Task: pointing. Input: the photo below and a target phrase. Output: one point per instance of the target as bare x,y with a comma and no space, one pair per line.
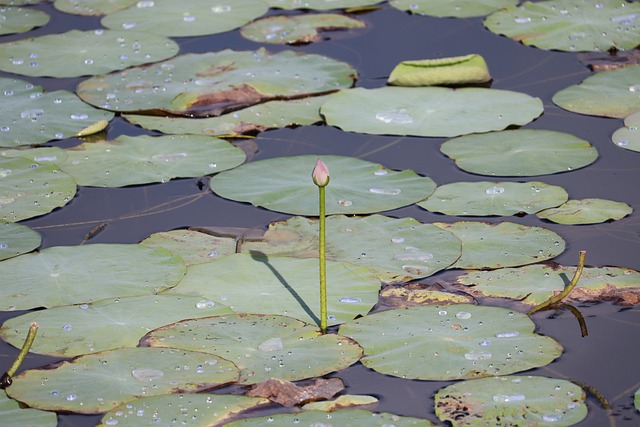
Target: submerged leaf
586,211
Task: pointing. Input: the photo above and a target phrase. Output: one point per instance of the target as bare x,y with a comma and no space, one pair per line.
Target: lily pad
193,246
51,155
13,415
511,400
506,244
521,152
209,84
65,275
396,250
19,20
494,198
458,70
451,8
92,7
428,111
262,346
569,25
98,382
460,341
636,399
612,93
284,184
628,137
319,4
280,285
131,160
16,239
341,402
343,417
104,325
586,211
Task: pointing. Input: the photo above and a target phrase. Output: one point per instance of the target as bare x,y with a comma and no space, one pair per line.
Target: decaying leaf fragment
287,393
419,294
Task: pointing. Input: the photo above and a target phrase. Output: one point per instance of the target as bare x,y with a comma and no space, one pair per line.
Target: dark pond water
606,359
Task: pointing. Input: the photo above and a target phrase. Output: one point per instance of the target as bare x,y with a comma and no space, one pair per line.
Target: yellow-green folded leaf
466,69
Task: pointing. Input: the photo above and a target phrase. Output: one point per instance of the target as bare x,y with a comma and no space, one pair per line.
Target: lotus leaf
534,284
460,341
428,111
396,250
320,4
130,160
192,246
628,137
92,7
343,418
341,402
494,198
511,400
521,152
20,20
213,83
451,8
185,18
16,239
506,244
98,382
262,346
13,415
32,117
284,184
280,285
65,275
51,155
201,410
586,211
458,70
612,93
569,25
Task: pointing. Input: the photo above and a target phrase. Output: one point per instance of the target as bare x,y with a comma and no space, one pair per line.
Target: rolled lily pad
192,246
92,7
33,117
281,285
511,400
507,244
343,417
468,69
16,239
460,341
586,211
494,198
213,83
284,184
65,275
19,20
13,415
521,152
397,250
569,25
451,8
628,137
428,111
612,93
262,346
131,160
98,382
319,4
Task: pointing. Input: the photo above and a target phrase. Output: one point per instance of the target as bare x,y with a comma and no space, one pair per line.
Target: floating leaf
521,152
451,8
628,137
92,7
468,69
586,211
20,20
13,415
453,342
603,61
569,25
611,93
50,155
397,250
289,394
94,128
98,382
428,111
65,275
213,83
636,399
192,246
319,4
262,346
19,2
419,294
341,402
343,417
511,400
505,244
494,198
16,239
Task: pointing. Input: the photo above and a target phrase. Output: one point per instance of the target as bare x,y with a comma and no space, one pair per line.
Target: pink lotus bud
320,174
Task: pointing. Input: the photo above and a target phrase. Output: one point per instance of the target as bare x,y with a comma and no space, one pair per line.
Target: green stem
574,281
5,381
323,265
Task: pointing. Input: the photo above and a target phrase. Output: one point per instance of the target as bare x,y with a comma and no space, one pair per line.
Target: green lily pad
202,410
281,285
92,7
636,399
628,137
13,415
16,239
40,56
319,4
193,246
612,93
262,346
32,117
104,325
451,8
51,155
19,2
131,160
485,198
20,20
521,152
185,18
460,341
507,244
396,250
586,211
209,84
458,70
65,275
284,184
343,417
569,25
98,382
428,111
511,400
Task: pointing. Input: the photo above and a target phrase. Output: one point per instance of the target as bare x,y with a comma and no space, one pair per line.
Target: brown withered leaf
419,294
287,393
603,61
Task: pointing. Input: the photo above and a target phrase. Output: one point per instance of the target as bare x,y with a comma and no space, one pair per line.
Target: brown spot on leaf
287,393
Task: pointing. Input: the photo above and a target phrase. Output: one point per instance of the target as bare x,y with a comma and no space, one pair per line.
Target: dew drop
147,374
552,418
205,304
478,355
485,343
5,173
221,8
168,157
507,334
31,114
349,300
523,20
494,191
380,172
508,398
67,327
79,116
72,397
397,240
395,116
463,315
345,203
442,312
386,191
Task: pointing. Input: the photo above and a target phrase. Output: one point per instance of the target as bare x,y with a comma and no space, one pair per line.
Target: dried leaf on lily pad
419,294
341,402
628,137
512,401
92,7
451,8
603,61
14,415
16,239
586,211
320,4
459,70
193,246
342,418
287,393
20,20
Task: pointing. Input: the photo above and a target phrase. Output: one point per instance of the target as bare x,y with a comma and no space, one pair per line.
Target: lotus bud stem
320,178
574,281
6,380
